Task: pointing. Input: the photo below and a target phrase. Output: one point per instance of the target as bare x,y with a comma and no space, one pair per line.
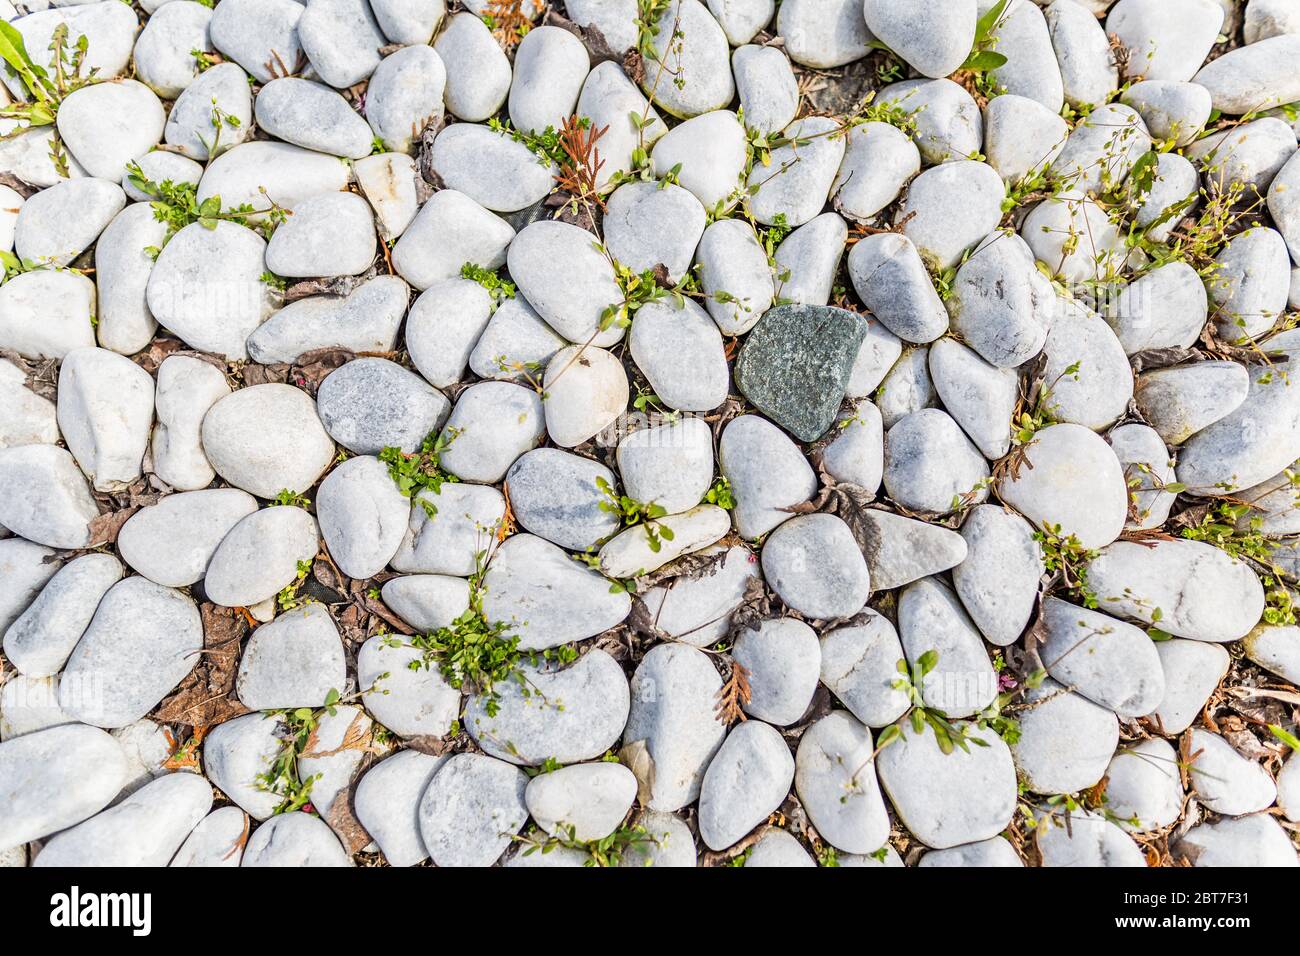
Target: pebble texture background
659,432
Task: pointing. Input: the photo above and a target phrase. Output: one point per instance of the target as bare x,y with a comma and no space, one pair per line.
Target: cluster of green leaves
1065,555
911,681
642,288
607,851
293,499
498,288
288,598
177,205
631,512
546,145
1222,527
282,777
422,470
648,15
15,266
720,494
47,88
982,55
1042,413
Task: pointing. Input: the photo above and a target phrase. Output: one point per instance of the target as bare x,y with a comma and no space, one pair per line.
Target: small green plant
648,15
47,89
720,494
911,681
498,288
827,855
282,777
177,206
1221,527
880,855
607,851
270,279
1286,737
203,60
288,598
1039,412
1066,557
631,512
292,499
982,55
422,470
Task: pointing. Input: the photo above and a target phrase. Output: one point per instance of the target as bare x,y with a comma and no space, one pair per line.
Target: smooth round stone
427,602
31,419
814,565
1144,791
902,550
879,159
549,69
615,19
709,156
1088,839
1252,154
1050,230
312,116
1082,48
443,327
164,50
28,155
735,275
766,87
237,752
259,35
1076,482
140,644
405,693
171,543
29,705
206,288
1253,77
907,388
387,801
647,224
890,278
424,255
1202,592
995,852
669,464
952,208
697,610
546,597
148,747
586,390
998,580
457,535
1223,780
341,40
1251,284
186,388
1270,18
1181,401
799,178
493,424
680,352
106,125
266,439
859,665
823,35
294,841
672,732
554,495
634,553
370,404
1021,136
583,802
579,714
808,260
44,496
46,314
608,101
741,21
258,174
568,281
1284,206
1102,658
933,36
879,351
478,73
260,556
58,224
1088,373
767,471
835,778
930,463
1166,308
26,571
777,848
1165,44
783,661
1275,649
515,344
1066,741
192,126
145,829
947,800
388,181
56,778
365,320
746,780
947,120
40,639
490,167
980,397
105,408
695,76
471,809
856,454
329,235
362,516
931,619
294,661
1254,841
1033,70
405,96
1274,509
122,270
1171,109
218,840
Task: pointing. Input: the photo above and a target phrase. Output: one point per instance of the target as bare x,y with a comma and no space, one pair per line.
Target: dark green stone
795,365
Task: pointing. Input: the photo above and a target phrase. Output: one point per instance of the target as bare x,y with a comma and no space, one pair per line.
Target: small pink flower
1007,682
